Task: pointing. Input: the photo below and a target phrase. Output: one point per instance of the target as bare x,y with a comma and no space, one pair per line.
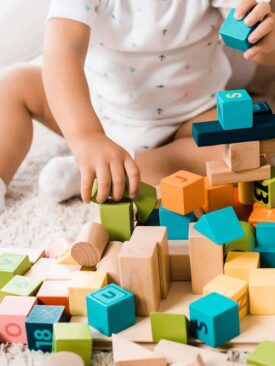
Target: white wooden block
179,260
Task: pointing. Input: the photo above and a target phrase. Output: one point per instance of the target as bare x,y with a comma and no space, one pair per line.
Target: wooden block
219,173
264,191
263,354
261,213
39,326
231,287
267,146
214,319
59,247
54,293
67,259
242,211
14,311
206,260
143,235
262,291
176,190
41,268
242,156
127,353
173,327
64,358
81,285
153,219
240,264
12,265
217,197
246,193
261,108
139,273
105,307
179,260
90,244
244,244
109,262
265,232
20,286
267,256
73,337
33,254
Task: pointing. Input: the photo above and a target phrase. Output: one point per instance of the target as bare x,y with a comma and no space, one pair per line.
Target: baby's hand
255,12
100,157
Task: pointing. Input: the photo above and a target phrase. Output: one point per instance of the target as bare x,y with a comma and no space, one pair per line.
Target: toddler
122,82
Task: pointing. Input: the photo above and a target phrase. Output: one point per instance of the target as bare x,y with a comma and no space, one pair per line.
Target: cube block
265,232
264,191
240,264
217,197
20,286
54,293
11,265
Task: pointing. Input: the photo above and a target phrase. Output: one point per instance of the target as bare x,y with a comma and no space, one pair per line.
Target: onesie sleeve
83,11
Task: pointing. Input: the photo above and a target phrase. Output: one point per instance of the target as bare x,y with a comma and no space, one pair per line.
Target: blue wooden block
39,326
234,108
265,234
214,319
177,225
153,219
211,133
261,108
111,309
267,257
235,32
221,226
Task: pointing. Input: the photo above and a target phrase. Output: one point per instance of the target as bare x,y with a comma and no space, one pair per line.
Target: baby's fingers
104,183
87,180
118,180
258,14
132,171
262,30
243,8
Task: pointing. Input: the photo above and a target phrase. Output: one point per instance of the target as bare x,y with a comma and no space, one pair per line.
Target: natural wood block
20,286
218,173
179,260
14,311
158,235
267,146
262,291
127,353
240,264
261,214
54,293
11,265
64,358
206,260
33,254
81,285
59,247
242,156
246,195
90,244
67,258
109,262
176,190
217,197
139,273
231,287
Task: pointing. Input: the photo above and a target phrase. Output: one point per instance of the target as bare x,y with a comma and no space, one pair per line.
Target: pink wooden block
59,247
13,313
54,293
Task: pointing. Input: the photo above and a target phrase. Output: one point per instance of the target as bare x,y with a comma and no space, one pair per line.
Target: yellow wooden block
246,193
231,287
239,264
262,291
82,284
66,259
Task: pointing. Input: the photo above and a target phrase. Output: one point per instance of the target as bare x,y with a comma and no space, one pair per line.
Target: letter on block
11,265
264,191
54,293
109,262
263,354
39,326
173,327
176,190
231,287
111,309
240,264
179,260
262,291
245,244
214,319
83,283
20,286
217,197
242,156
139,273
265,233
206,260
14,311
73,337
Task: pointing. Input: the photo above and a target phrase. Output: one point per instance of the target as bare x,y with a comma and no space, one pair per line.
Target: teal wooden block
244,244
39,326
172,327
153,219
111,309
265,234
118,219
267,257
214,319
177,225
263,355
235,32
221,226
264,191
12,265
234,108
73,337
20,286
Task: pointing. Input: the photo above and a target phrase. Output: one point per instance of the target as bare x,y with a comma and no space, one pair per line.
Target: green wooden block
264,191
245,244
12,265
118,219
263,355
73,337
172,327
20,286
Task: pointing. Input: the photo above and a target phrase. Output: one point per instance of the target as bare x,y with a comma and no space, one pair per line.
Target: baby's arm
65,49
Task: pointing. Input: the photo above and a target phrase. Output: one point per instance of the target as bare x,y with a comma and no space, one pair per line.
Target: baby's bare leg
22,98
182,153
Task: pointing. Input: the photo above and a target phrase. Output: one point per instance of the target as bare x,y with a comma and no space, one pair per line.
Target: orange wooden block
242,211
261,214
182,192
54,293
217,197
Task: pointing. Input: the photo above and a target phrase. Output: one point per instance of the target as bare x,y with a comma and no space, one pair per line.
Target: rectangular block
242,156
179,260
109,262
32,253
240,264
20,286
206,260
12,265
218,196
142,235
54,293
267,146
139,273
262,291
261,108
264,191
261,213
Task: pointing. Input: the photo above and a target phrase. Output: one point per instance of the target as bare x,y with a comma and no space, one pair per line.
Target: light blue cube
177,225
111,309
235,109
214,319
235,32
265,235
